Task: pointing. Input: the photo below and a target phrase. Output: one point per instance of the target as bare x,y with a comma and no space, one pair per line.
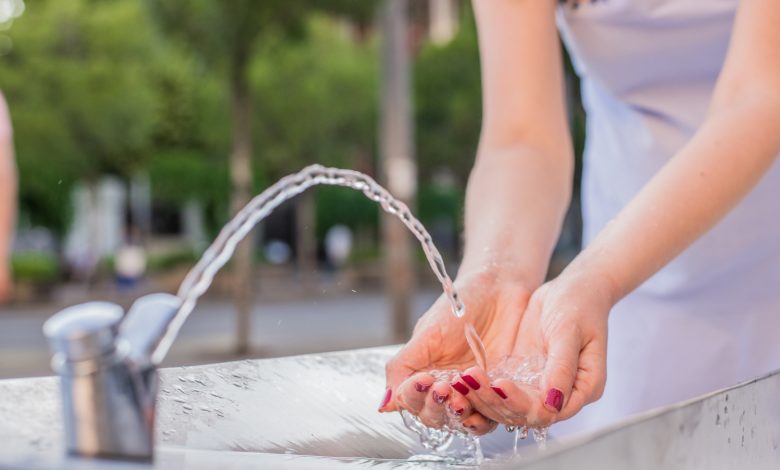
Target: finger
434,413
479,425
412,392
563,354
476,385
523,404
590,380
458,407
411,358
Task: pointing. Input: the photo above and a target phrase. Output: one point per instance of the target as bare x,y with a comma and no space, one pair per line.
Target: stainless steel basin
319,411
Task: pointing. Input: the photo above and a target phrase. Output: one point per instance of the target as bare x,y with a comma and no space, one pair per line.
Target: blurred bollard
338,245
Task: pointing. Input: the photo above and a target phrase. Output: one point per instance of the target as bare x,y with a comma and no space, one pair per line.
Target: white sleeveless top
711,318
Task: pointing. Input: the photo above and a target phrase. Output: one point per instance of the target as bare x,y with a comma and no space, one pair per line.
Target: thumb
410,359
563,353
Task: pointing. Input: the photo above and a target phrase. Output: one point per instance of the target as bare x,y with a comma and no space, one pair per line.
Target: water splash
198,280
476,345
526,372
438,441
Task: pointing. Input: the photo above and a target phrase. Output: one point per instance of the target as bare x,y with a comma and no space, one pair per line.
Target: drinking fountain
107,361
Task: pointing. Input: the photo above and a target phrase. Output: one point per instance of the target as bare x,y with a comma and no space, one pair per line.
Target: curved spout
221,250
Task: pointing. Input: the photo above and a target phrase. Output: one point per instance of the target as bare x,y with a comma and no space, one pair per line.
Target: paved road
278,329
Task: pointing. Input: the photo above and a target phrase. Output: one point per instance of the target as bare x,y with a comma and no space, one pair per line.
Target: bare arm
7,198
566,319
733,149
521,184
515,202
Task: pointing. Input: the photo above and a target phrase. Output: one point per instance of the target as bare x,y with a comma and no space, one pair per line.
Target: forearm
8,185
515,203
733,149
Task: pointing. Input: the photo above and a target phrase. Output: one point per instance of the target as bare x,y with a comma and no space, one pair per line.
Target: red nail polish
470,381
439,398
386,399
421,387
462,389
554,399
499,392
458,412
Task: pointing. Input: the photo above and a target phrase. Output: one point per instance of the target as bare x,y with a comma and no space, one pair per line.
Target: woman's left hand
566,322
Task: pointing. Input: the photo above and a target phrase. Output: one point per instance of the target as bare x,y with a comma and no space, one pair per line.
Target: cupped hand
494,301
566,323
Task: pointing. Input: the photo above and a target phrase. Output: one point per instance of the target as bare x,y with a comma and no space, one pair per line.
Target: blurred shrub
171,260
315,101
78,83
35,267
448,104
435,202
346,207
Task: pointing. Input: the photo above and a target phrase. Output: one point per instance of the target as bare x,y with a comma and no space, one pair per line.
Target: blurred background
141,126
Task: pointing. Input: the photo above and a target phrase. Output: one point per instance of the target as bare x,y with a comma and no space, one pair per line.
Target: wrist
594,276
498,270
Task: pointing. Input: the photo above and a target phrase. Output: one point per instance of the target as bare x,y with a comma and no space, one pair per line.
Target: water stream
221,250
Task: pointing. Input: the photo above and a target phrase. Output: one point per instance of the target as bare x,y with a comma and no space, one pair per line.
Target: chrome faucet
107,364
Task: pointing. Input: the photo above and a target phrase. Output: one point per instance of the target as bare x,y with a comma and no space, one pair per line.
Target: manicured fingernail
554,399
471,381
458,412
439,398
421,387
386,399
499,392
462,389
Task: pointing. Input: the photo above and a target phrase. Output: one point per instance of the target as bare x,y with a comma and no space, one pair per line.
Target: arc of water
221,250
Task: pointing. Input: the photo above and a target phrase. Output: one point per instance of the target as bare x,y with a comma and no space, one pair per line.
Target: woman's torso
708,319
648,71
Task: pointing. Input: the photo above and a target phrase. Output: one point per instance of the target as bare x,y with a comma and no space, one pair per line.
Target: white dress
711,318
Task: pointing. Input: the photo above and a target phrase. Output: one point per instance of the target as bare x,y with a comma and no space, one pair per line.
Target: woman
682,221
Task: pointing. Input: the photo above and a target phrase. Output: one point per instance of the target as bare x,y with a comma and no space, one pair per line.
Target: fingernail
462,389
457,412
471,381
499,392
554,399
439,398
386,399
421,387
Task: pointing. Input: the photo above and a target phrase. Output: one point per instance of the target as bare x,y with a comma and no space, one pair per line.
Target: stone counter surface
319,411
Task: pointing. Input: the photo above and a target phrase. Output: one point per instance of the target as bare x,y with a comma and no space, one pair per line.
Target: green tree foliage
448,111
318,101
78,83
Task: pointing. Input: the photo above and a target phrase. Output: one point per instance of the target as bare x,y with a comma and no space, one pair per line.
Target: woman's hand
494,301
566,322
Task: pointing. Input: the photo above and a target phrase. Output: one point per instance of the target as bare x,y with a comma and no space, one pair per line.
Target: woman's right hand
495,300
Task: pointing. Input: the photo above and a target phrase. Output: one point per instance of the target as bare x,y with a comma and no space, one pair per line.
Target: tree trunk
305,240
398,164
241,181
